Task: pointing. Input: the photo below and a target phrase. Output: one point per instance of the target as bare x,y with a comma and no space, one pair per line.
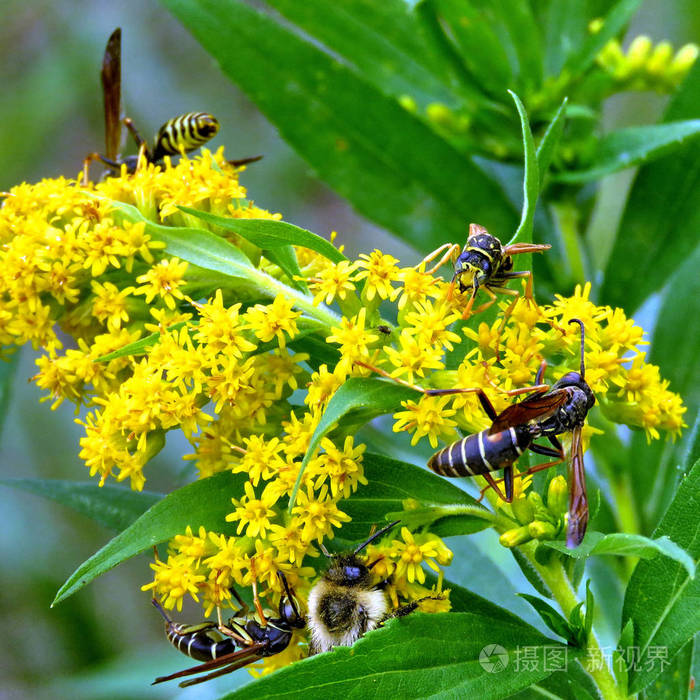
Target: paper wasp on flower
484,263
256,635
178,135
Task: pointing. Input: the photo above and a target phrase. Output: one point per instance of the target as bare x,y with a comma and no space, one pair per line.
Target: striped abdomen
184,133
481,453
197,641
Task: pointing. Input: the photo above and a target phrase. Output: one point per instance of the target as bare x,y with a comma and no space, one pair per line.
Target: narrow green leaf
407,658
531,182
653,470
551,617
614,22
392,166
626,545
381,39
114,507
550,141
205,502
625,148
372,397
393,484
566,30
661,599
8,370
138,347
674,682
269,234
659,226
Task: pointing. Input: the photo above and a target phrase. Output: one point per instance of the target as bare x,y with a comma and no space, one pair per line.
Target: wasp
244,639
484,263
545,413
178,135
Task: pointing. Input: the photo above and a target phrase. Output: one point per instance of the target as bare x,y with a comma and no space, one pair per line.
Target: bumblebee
345,603
178,135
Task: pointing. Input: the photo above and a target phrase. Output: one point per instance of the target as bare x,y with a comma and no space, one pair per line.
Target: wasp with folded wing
181,134
545,413
246,637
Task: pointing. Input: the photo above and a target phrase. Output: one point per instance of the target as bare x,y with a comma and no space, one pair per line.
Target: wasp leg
536,388
140,142
453,251
256,598
244,161
493,484
517,248
532,470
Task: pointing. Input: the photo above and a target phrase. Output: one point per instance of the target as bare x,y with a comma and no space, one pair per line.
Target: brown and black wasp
549,411
245,638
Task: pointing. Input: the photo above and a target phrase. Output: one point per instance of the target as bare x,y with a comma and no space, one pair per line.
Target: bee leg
453,251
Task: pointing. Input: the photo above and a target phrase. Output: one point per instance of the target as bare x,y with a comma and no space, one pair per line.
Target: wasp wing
111,92
578,500
236,659
537,407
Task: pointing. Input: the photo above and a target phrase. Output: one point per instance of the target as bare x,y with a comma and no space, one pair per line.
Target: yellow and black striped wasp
484,263
179,135
256,634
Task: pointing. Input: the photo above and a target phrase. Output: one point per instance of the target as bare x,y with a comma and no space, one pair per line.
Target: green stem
555,578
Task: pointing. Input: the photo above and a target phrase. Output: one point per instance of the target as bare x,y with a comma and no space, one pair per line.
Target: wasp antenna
379,533
288,591
160,609
583,340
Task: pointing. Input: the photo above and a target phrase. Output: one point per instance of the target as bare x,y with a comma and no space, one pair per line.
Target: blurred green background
107,642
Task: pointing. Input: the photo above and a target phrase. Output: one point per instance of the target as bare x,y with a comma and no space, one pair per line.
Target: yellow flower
414,357
353,339
414,550
163,280
273,320
428,418
333,281
317,515
110,304
342,468
253,514
221,329
173,580
379,270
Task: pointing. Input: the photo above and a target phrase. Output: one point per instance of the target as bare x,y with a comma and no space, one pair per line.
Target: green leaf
659,226
566,30
139,347
625,148
653,470
408,658
661,598
530,572
531,182
202,503
392,166
626,545
365,395
551,617
8,370
614,22
550,141
114,507
269,234
674,682
382,40
438,502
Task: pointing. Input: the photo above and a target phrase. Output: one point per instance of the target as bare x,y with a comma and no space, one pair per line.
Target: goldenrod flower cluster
645,65
225,366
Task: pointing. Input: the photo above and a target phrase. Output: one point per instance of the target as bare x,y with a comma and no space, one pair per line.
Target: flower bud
408,103
541,530
683,60
638,52
440,115
522,510
558,496
660,58
516,536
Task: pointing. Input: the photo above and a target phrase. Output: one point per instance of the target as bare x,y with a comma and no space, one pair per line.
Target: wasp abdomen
198,644
184,133
480,453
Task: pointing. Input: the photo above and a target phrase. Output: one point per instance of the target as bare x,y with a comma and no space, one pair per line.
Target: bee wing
111,92
578,500
231,662
535,407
